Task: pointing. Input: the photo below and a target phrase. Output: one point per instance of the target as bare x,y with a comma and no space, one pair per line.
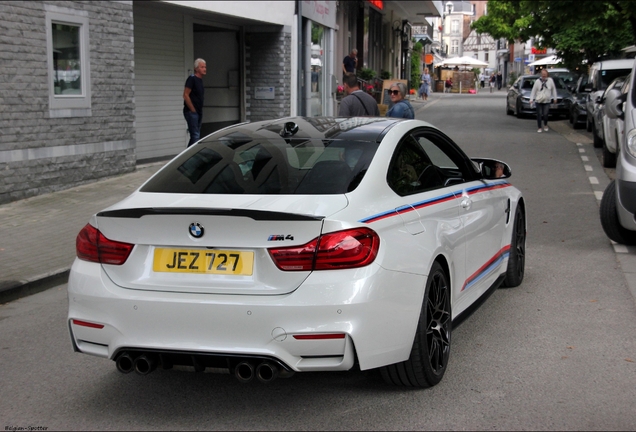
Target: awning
549,60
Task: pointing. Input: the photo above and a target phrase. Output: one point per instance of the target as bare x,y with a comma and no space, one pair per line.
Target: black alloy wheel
517,259
431,348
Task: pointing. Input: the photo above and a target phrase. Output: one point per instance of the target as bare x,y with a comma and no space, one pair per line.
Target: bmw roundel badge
196,230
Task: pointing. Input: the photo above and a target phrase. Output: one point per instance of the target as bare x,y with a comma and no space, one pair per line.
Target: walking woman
425,85
543,93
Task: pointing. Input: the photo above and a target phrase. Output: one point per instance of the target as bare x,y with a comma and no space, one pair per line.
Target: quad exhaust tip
245,371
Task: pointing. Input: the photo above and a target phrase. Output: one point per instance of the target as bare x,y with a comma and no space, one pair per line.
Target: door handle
466,203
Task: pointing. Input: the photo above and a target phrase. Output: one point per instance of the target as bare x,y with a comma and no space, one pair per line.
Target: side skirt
459,319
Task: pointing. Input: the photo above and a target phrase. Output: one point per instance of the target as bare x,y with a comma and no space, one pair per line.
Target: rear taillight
350,248
91,245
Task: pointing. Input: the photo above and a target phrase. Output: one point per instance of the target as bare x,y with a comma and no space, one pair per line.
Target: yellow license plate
204,261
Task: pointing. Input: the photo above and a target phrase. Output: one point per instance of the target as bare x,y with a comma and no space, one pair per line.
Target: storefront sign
264,92
321,12
377,3
538,51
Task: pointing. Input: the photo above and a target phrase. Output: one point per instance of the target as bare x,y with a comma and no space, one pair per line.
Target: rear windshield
240,164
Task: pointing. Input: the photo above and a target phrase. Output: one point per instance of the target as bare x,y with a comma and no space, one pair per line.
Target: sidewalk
37,235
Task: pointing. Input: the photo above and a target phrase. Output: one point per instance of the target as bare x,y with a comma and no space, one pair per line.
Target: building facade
91,88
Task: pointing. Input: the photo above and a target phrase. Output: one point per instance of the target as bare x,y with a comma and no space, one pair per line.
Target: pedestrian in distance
482,79
543,93
425,85
357,103
448,85
350,62
193,100
499,80
493,82
401,107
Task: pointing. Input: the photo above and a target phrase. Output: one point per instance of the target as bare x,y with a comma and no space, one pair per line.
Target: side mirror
516,85
492,168
614,104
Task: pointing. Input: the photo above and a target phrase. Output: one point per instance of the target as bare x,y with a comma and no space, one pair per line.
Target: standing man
357,103
350,62
193,100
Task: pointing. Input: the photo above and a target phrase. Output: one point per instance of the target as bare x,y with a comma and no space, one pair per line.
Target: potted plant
366,74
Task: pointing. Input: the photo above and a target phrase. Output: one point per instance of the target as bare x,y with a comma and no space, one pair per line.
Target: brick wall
268,64
38,153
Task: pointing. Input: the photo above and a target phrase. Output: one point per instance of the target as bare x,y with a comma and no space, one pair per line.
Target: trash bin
439,86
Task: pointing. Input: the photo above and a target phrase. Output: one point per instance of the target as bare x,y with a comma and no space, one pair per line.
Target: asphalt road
556,353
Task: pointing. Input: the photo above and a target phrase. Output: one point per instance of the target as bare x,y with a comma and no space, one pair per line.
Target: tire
517,259
575,121
609,218
431,348
571,119
508,110
609,158
588,124
518,106
598,142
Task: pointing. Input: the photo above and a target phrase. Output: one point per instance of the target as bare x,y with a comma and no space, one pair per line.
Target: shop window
68,62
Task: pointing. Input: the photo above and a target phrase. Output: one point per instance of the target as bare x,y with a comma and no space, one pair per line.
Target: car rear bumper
375,310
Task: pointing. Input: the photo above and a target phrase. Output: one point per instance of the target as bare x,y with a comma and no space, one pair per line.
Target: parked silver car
601,75
518,99
618,206
613,129
598,131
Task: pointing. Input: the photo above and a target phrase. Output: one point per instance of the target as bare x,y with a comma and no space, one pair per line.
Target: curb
14,290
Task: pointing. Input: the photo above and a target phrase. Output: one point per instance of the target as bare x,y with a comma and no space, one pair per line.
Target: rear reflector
87,324
350,248
91,245
320,336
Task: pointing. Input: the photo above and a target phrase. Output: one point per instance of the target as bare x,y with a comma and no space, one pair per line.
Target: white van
601,75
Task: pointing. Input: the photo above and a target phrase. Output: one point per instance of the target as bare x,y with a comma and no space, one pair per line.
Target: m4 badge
280,237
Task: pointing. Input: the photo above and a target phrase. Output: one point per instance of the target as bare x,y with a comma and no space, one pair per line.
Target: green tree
416,64
577,29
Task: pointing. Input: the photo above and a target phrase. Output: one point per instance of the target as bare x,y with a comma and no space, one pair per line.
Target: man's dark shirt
195,84
349,64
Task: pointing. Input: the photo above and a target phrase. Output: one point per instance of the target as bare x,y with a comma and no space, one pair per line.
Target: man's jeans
542,112
194,126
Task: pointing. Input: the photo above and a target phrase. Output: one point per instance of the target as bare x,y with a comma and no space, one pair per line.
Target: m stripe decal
437,200
487,268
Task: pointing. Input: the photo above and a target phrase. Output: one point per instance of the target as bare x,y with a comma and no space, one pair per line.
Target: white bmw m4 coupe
299,244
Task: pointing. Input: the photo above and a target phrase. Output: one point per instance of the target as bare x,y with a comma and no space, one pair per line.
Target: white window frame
69,105
455,26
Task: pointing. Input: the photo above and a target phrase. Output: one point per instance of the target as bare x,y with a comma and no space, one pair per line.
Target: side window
411,170
67,43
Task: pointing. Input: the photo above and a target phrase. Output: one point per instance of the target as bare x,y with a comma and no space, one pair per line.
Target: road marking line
579,144
593,180
581,150
588,168
599,195
585,158
619,248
